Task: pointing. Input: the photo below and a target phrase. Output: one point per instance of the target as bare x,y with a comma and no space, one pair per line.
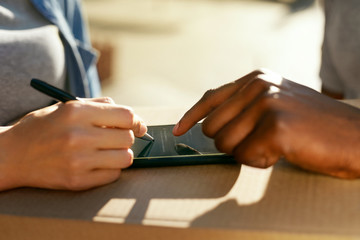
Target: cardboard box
190,202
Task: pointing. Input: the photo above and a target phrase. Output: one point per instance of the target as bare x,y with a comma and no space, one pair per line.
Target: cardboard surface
191,202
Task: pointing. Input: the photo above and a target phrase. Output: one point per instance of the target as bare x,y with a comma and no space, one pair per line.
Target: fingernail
176,127
143,128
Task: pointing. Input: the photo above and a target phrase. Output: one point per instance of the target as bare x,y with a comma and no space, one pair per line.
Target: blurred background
167,53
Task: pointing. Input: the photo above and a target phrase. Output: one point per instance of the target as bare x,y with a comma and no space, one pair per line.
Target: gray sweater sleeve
340,67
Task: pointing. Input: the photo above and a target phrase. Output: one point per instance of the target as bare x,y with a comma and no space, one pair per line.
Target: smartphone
192,148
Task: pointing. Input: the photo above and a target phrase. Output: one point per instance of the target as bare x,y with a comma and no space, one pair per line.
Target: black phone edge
182,161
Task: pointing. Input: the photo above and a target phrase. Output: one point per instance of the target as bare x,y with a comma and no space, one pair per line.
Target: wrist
8,172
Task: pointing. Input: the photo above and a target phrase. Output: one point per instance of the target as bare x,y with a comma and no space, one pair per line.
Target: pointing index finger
114,116
210,101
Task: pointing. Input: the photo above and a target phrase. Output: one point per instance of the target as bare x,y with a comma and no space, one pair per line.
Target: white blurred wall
168,52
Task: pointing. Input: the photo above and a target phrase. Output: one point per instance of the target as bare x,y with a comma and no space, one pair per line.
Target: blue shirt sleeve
80,57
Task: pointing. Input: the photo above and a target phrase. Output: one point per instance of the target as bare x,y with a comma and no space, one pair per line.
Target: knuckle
219,145
267,102
108,100
223,146
74,168
72,138
71,111
258,156
129,115
208,94
259,71
264,162
263,71
207,130
260,82
273,94
75,165
128,158
271,77
129,138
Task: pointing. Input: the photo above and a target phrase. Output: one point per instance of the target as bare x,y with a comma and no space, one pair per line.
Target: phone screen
167,150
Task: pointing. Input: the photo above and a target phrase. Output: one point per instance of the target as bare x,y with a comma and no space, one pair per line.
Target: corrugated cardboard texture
191,202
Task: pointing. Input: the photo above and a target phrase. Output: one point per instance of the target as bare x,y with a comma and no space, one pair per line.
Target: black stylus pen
63,96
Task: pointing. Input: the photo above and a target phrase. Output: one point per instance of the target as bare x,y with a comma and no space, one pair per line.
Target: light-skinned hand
75,145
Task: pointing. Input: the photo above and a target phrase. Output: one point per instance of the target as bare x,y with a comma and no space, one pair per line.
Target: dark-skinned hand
263,117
